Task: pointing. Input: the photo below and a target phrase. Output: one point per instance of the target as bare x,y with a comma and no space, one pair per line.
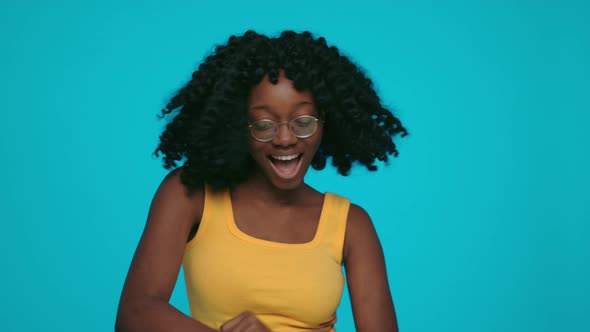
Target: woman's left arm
368,287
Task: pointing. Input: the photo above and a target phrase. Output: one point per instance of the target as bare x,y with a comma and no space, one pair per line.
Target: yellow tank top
290,287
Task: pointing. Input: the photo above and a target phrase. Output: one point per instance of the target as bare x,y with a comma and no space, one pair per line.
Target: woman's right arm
144,306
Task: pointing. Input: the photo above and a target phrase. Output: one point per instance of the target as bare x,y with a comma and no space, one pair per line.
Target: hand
244,322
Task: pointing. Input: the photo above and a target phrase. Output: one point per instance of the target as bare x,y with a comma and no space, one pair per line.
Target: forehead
276,97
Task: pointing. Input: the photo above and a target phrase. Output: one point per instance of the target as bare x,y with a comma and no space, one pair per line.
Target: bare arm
151,278
368,287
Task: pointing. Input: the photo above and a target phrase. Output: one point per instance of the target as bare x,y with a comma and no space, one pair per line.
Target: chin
287,185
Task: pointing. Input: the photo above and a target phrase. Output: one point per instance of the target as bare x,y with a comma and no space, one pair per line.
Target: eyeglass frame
316,120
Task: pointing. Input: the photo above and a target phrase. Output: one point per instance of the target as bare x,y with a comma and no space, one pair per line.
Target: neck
257,187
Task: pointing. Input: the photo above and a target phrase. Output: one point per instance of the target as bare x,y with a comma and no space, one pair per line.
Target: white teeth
284,158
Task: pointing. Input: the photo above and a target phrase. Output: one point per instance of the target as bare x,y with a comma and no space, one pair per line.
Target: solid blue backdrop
483,217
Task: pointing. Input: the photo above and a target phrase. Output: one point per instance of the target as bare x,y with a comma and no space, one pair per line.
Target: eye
262,125
304,121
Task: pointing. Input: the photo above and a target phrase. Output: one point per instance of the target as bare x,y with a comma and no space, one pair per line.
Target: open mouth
286,166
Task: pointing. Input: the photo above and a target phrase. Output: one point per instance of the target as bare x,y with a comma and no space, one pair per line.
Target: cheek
255,148
318,139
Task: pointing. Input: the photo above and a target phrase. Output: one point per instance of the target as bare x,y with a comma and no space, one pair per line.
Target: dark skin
295,208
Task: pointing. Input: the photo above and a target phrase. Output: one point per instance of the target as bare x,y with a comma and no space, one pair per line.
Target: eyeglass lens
302,127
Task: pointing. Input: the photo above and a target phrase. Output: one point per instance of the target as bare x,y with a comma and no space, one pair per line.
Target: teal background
483,217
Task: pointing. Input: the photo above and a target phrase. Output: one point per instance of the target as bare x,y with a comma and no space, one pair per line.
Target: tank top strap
214,209
336,211
214,199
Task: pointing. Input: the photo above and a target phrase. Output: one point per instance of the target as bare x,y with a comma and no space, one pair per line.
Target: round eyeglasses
265,130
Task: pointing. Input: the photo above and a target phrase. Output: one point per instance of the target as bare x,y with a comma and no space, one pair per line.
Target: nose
285,136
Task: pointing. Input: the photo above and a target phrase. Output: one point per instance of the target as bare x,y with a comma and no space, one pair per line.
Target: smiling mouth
286,166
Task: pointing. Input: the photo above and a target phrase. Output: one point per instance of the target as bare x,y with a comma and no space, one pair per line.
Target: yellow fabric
290,287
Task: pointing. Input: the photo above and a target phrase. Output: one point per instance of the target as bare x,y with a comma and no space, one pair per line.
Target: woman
262,250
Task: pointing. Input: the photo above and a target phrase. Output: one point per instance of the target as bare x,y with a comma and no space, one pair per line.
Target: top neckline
235,230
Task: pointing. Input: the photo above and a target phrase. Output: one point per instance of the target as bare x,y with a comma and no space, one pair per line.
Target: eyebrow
268,108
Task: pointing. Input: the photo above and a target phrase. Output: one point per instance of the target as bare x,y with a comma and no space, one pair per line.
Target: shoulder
357,214
172,185
359,230
172,194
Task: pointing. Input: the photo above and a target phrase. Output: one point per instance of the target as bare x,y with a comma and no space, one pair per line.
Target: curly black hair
208,129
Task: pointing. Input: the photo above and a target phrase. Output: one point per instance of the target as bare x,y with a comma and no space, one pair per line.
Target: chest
283,265
284,225
304,284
